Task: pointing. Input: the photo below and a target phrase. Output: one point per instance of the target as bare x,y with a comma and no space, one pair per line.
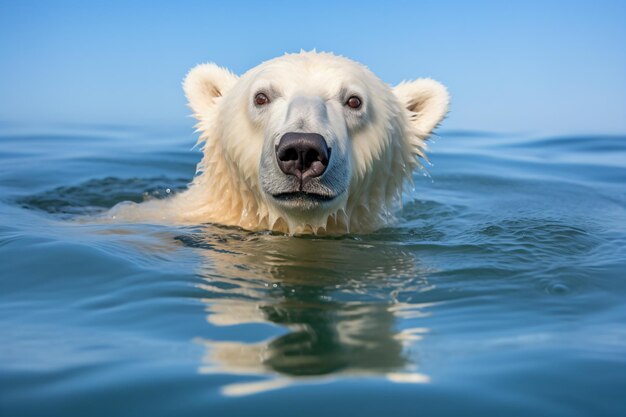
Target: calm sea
501,290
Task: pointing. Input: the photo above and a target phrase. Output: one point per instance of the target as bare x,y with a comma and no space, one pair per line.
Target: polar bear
308,142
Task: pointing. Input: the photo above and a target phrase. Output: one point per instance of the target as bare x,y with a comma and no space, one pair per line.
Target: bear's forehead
312,61
310,70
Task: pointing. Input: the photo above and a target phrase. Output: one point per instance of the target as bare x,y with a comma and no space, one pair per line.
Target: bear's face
310,140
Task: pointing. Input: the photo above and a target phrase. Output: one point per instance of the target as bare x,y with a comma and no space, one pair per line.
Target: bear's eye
354,102
261,99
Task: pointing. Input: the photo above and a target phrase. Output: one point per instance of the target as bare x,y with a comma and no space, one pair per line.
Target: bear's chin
302,210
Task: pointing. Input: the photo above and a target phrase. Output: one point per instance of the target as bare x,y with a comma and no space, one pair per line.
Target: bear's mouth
295,196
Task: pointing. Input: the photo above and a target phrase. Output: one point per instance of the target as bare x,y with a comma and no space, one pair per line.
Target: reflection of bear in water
339,317
306,142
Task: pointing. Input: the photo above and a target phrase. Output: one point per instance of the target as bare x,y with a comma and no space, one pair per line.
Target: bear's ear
426,100
204,84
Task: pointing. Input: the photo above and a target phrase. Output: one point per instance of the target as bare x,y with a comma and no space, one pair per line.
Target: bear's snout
303,155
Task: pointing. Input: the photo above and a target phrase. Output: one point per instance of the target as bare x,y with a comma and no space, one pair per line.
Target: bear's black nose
303,155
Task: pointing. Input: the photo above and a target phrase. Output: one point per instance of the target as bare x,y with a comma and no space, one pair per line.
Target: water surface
500,291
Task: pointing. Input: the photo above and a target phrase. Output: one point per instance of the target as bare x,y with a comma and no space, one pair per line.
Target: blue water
501,291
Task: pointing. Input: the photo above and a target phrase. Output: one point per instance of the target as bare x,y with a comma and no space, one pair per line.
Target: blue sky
529,67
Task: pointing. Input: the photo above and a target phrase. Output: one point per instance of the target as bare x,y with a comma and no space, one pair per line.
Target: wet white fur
384,147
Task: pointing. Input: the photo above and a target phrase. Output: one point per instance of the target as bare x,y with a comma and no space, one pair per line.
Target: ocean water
500,291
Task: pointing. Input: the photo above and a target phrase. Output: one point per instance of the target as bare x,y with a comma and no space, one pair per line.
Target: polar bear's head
307,142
